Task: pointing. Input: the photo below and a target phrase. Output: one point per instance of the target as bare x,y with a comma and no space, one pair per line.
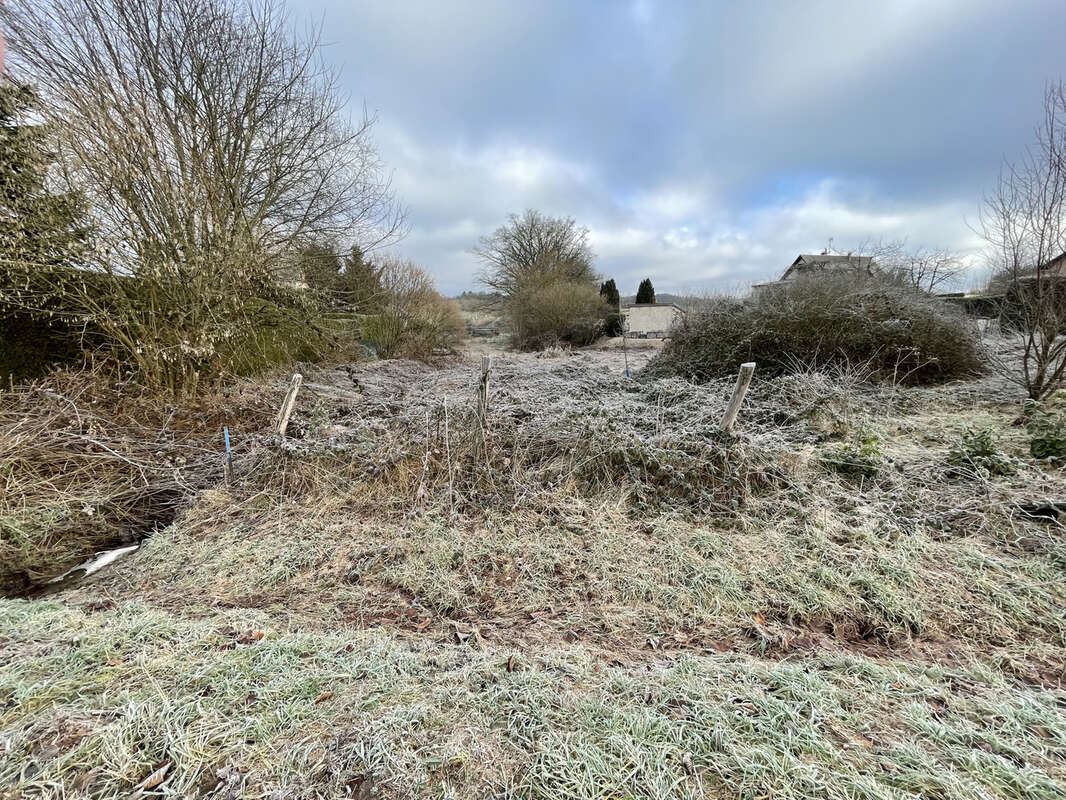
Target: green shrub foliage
861,458
1047,435
976,453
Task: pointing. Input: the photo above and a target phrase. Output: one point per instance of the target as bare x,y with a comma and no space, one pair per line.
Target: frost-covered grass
94,702
561,626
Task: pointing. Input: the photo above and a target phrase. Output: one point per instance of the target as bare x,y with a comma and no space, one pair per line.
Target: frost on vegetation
976,453
554,424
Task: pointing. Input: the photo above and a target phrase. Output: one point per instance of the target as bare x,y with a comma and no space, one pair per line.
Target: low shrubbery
898,333
557,312
1047,435
410,318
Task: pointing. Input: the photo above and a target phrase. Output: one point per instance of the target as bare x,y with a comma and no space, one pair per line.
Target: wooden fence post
288,404
743,381
483,390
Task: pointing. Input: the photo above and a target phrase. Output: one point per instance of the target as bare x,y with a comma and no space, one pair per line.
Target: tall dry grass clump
897,333
88,465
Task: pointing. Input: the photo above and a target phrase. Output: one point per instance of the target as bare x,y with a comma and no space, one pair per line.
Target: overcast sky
704,144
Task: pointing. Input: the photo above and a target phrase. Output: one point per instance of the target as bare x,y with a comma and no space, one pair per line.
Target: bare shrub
554,312
927,269
210,142
899,333
413,320
1024,223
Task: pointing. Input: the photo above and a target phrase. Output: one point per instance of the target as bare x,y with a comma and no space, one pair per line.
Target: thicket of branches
897,332
543,269
1024,223
210,141
410,318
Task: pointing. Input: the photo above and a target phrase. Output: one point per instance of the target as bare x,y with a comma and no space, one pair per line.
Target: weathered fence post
288,404
483,390
743,381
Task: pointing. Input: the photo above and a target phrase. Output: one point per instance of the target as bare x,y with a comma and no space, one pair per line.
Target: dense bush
898,333
554,312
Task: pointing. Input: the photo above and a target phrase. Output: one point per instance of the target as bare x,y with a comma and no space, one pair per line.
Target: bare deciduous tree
534,257
210,141
202,125
928,269
535,247
1024,223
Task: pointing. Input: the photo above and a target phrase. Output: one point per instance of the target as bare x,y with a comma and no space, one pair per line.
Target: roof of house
807,263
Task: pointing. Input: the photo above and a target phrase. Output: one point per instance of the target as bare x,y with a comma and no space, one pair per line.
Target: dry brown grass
87,464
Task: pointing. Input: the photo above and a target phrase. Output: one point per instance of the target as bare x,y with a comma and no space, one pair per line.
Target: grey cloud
701,142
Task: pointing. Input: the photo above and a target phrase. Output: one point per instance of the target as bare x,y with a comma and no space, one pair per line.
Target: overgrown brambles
895,332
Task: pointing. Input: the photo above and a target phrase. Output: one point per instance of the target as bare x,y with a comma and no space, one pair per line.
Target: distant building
810,264
651,320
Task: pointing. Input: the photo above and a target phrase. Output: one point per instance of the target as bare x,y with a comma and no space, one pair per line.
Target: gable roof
823,262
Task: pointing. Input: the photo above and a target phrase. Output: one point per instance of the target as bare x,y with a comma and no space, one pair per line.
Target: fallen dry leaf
511,664
760,618
323,697
153,780
421,626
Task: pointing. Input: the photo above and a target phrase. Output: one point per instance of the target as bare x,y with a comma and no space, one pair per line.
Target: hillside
596,595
